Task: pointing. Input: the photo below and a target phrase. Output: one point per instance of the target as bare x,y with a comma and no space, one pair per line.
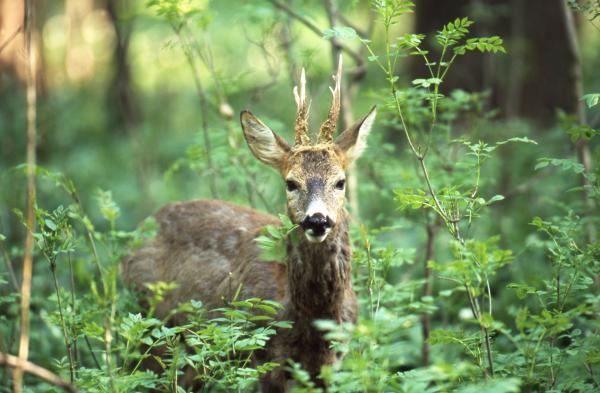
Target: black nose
318,223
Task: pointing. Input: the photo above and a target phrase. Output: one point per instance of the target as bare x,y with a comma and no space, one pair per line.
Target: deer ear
267,146
353,140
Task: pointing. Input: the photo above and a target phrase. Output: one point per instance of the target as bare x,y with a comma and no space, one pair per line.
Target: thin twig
286,43
31,143
314,28
108,347
189,55
34,369
72,283
10,269
62,321
89,345
349,90
74,195
10,38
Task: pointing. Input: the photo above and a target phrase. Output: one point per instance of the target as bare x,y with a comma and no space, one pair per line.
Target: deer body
208,247
206,266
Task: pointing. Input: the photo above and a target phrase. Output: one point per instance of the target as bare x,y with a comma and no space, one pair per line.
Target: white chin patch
315,239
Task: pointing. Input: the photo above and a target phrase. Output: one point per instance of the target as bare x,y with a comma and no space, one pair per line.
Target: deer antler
328,127
301,128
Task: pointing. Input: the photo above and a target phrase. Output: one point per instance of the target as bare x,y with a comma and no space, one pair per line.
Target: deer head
314,173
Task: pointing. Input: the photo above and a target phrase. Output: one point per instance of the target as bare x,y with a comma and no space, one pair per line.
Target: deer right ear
353,141
267,146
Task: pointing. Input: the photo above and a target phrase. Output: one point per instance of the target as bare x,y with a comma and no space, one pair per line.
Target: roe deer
208,247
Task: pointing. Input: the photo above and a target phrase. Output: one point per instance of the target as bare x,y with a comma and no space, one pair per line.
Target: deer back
207,249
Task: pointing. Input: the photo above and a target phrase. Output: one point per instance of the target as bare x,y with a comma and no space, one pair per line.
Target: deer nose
317,223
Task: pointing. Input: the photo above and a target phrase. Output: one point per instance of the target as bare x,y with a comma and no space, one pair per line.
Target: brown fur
208,247
316,285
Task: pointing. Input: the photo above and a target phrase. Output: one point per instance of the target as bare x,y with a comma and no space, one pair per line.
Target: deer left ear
353,140
265,144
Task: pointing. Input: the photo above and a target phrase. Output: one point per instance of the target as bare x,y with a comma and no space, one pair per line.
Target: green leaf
410,40
273,231
564,164
272,240
491,44
591,99
517,139
522,290
267,309
413,199
426,82
495,198
343,32
50,224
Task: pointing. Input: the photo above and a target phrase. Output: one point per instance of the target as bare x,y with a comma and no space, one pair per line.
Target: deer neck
319,274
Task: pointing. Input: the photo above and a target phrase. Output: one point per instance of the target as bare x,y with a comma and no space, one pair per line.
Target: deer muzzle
316,227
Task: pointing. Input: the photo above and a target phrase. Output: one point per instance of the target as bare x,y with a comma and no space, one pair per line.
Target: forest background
474,209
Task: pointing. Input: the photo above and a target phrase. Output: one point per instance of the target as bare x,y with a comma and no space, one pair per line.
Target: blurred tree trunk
14,74
13,60
540,73
122,97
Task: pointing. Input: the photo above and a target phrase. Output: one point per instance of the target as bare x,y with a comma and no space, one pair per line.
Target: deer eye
340,184
291,185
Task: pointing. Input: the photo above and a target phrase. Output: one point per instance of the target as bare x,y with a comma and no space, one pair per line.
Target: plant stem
10,270
89,345
488,348
31,191
371,278
187,50
74,334
451,222
431,229
108,348
62,320
83,218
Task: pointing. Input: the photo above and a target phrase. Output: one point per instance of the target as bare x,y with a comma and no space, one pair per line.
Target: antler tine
328,127
301,128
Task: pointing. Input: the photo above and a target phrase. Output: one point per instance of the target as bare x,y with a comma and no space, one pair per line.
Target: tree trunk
539,74
121,97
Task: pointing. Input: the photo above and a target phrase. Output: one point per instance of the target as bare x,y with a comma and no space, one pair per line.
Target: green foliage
482,44
591,8
340,32
508,293
225,338
575,128
177,12
591,99
390,10
272,241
